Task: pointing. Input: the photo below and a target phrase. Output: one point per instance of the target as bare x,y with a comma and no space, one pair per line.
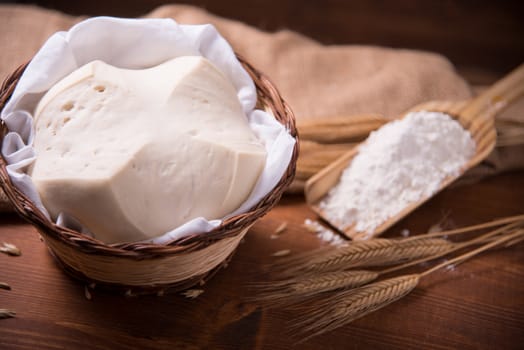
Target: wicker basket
145,268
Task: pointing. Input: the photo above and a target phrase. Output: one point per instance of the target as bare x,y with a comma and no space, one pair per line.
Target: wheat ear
297,289
348,306
381,251
376,252
355,303
320,277
487,237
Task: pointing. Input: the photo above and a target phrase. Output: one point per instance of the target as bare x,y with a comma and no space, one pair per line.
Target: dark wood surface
477,305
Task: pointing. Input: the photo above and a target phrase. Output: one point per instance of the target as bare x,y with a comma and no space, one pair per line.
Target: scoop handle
498,96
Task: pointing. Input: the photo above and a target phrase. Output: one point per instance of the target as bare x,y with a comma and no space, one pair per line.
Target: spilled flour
402,162
324,234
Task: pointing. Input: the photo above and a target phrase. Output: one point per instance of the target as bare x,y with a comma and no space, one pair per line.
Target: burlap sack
318,81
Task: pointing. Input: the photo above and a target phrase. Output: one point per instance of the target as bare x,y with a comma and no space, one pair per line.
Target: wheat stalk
515,236
487,237
340,129
382,251
321,276
517,220
297,289
325,140
513,242
509,132
333,280
376,252
350,305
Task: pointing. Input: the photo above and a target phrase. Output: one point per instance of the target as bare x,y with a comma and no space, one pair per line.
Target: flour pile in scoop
403,162
132,154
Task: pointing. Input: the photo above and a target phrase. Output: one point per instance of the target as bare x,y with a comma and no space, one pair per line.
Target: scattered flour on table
324,234
402,162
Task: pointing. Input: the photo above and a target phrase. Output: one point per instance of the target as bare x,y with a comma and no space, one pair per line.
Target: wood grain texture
477,305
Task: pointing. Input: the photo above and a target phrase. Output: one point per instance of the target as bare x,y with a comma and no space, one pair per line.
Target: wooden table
477,305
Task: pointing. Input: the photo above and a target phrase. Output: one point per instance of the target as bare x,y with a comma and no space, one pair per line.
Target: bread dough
132,154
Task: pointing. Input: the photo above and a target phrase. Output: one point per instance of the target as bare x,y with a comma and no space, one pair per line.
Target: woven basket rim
269,99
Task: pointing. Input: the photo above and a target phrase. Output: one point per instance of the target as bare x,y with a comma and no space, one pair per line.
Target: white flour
324,234
402,162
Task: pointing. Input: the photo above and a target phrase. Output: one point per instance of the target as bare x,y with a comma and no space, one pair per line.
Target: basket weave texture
145,267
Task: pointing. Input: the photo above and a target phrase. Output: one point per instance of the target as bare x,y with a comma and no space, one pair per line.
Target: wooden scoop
477,116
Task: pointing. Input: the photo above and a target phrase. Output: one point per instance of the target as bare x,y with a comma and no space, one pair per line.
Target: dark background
476,36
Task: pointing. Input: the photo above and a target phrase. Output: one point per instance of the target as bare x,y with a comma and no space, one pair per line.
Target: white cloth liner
135,44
